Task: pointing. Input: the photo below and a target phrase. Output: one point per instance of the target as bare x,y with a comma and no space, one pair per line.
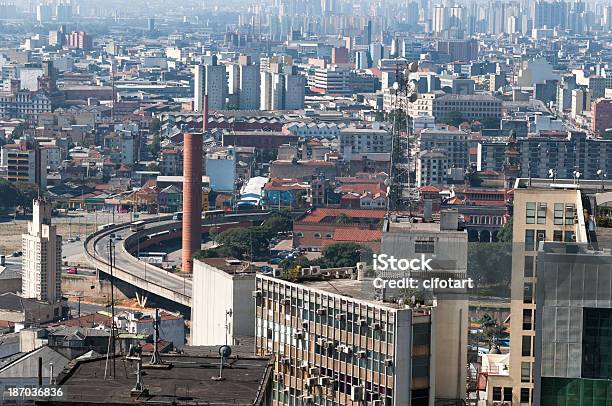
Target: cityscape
306,202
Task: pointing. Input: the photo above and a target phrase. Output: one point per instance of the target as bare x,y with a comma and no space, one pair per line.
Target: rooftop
188,382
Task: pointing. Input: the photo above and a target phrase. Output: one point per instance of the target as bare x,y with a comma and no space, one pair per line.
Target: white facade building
42,257
221,169
224,308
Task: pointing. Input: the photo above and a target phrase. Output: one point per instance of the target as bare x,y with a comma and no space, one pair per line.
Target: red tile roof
429,189
357,234
320,214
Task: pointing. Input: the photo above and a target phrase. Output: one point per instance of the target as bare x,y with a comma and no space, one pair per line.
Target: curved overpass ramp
148,277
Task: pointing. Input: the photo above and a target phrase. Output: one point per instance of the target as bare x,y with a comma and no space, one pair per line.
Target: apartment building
363,140
431,168
24,104
334,344
542,212
454,143
21,162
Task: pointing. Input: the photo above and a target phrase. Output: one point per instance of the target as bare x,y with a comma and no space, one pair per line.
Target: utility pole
156,358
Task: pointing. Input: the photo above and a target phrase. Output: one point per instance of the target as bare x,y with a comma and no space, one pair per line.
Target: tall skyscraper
210,79
42,257
249,84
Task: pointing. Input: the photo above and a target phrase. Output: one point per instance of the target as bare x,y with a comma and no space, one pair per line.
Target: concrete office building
222,311
445,243
336,349
573,325
42,257
542,212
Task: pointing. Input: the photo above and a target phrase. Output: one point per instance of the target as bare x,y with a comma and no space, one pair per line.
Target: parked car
266,269
72,270
275,261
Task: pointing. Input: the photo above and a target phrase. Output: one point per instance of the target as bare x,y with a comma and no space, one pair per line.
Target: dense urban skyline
306,202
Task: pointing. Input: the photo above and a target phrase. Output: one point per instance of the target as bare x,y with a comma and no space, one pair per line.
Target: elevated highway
148,277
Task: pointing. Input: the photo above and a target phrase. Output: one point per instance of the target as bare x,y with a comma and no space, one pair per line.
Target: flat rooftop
230,265
188,382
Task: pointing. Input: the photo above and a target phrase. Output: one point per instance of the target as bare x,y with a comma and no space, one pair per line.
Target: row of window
536,213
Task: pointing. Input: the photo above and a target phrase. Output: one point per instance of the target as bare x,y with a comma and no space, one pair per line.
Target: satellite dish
413,67
395,85
413,97
225,351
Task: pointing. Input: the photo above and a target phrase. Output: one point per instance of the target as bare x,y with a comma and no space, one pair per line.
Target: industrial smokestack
192,198
192,193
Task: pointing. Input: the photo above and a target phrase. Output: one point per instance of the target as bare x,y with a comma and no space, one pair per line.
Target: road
129,264
148,277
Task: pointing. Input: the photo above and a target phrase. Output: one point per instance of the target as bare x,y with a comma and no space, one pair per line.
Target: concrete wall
216,293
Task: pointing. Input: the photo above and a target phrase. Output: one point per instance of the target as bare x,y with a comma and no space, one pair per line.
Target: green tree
343,219
154,126
505,234
9,195
344,254
490,122
26,193
18,131
280,222
455,118
299,262
244,243
492,330
155,146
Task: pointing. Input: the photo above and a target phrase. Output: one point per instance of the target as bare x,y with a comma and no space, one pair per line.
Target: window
558,220
524,395
526,347
528,270
529,239
508,394
531,212
497,393
540,236
528,292
569,236
570,212
525,369
424,247
557,235
317,235
542,213
527,319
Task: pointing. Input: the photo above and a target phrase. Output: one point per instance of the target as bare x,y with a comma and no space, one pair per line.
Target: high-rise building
281,87
573,325
210,79
542,212
44,13
42,257
249,82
